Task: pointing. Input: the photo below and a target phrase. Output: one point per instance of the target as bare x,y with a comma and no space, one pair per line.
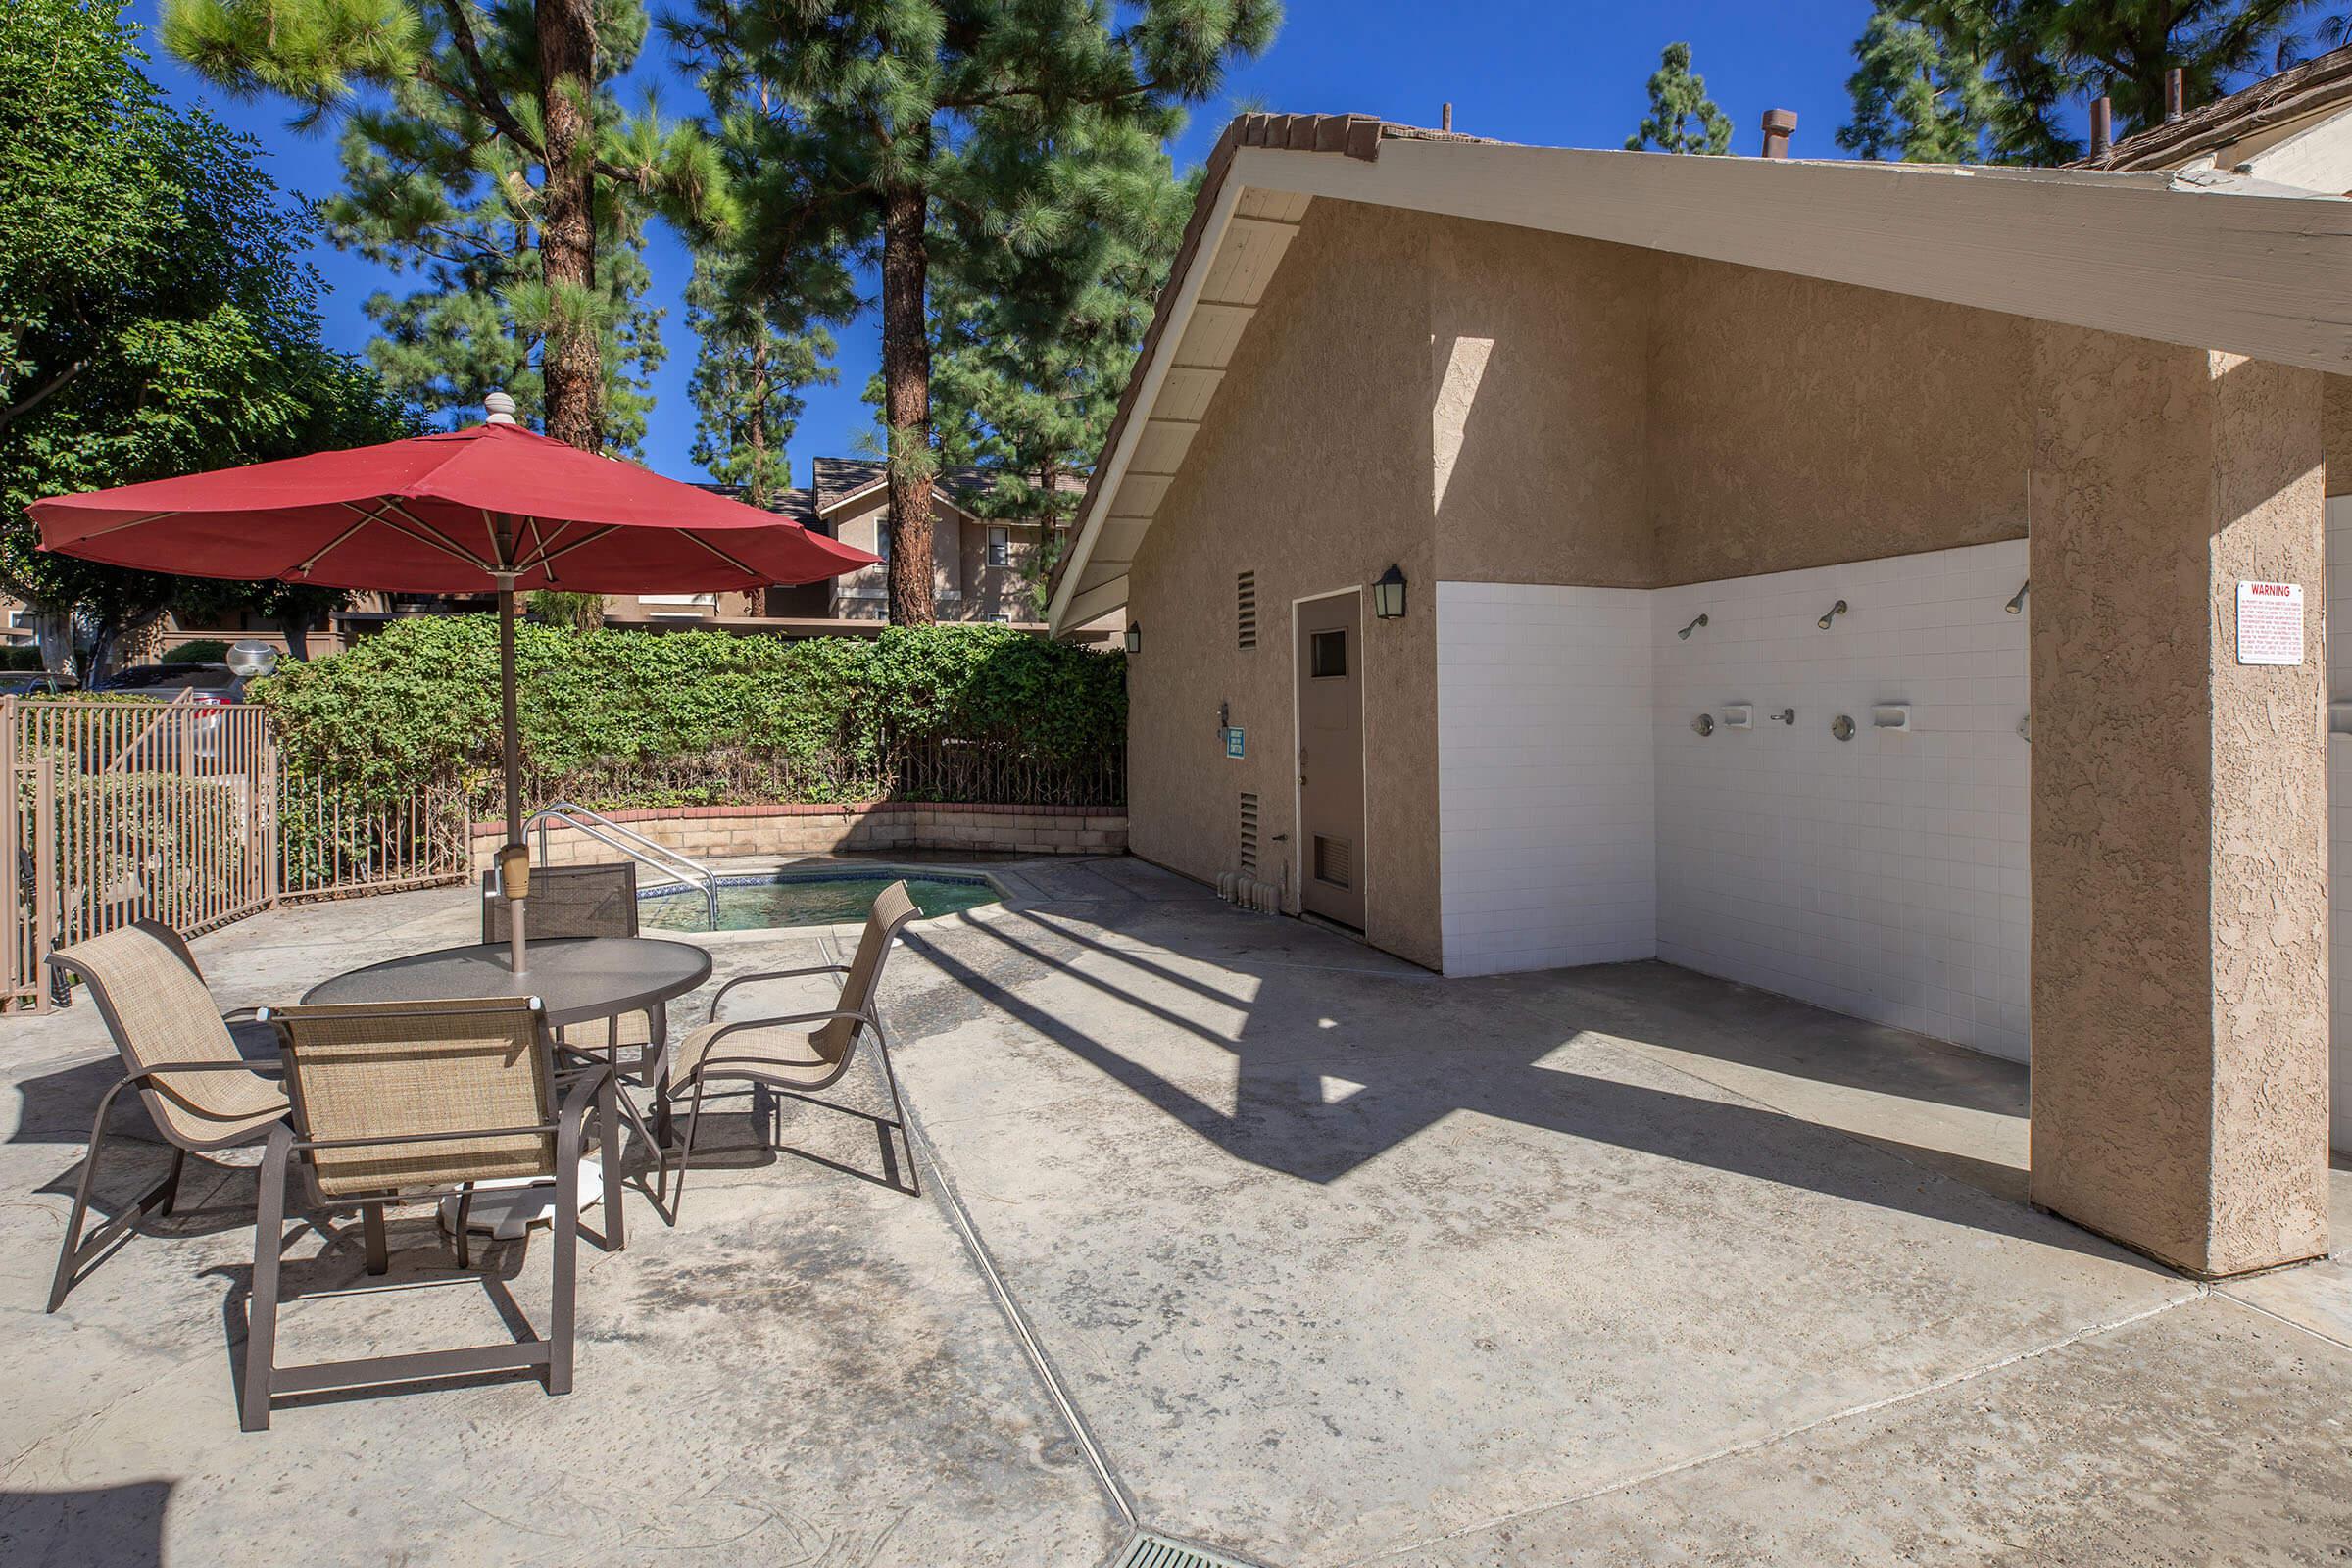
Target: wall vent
1245,608
1248,833
1335,862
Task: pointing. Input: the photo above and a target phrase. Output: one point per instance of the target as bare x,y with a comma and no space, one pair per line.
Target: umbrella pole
514,860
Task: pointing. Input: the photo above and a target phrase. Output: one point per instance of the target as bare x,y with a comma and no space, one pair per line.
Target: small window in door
1000,547
1327,654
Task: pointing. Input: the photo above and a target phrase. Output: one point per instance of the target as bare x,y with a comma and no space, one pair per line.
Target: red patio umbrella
493,507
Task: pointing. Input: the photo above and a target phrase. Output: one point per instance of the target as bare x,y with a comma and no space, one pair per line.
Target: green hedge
202,650
625,719
21,656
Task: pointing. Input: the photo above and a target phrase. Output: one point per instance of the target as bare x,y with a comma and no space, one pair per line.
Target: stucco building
1714,487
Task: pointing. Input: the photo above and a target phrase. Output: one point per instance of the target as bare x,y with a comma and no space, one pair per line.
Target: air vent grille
1335,862
1147,1551
1248,833
1246,609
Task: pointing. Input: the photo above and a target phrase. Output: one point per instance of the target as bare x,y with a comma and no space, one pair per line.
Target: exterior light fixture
1836,610
1135,637
2017,600
1388,594
1684,633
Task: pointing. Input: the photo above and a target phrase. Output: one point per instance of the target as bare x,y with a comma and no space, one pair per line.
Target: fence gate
179,812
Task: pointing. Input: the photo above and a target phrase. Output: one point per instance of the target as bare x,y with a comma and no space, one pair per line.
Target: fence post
266,790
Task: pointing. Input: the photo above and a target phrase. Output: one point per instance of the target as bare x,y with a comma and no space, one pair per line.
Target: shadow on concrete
1505,1063
121,1527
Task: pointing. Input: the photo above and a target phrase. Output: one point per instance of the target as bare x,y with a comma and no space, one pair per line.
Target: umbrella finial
500,409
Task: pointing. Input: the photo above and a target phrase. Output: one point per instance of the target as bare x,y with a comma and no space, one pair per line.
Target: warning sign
2269,623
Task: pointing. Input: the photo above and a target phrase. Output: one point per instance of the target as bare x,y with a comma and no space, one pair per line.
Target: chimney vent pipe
1445,118
2102,125
2174,91
1779,125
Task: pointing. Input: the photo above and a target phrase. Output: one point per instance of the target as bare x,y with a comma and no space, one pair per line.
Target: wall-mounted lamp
2017,600
1684,633
1388,594
1135,637
1836,610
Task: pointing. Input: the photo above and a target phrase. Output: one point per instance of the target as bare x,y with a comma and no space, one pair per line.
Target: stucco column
2179,806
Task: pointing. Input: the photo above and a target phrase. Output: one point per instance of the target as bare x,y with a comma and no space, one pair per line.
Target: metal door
1331,757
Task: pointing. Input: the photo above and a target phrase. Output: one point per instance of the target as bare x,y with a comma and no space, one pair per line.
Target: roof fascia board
940,496
1155,373
2132,254
1098,600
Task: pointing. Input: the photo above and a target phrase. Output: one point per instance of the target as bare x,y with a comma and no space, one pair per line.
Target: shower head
2017,600
1836,610
1684,633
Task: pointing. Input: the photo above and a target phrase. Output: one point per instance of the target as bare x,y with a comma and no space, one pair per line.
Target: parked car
36,683
203,683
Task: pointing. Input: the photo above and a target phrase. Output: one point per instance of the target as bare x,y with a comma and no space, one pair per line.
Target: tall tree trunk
759,423
296,629
570,360
906,405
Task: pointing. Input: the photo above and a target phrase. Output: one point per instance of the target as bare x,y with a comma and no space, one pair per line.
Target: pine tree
1915,99
947,133
1683,119
468,100
1030,352
2045,57
747,383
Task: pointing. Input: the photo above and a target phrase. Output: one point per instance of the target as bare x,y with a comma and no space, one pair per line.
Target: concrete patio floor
1273,1244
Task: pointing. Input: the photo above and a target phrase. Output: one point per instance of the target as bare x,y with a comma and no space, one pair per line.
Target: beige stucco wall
1794,423
2179,977
2335,432
1538,408
1312,469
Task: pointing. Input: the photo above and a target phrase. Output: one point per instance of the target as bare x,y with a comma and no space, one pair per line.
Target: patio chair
586,901
180,1051
407,1101
788,1054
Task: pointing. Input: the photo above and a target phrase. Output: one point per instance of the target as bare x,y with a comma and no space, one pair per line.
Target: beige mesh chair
178,1051
587,901
410,1101
789,1056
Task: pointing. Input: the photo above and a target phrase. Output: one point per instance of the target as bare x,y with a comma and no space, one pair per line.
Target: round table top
575,978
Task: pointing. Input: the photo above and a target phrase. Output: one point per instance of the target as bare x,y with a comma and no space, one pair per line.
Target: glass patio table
576,979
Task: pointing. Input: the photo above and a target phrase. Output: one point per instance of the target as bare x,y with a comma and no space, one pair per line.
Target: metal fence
179,812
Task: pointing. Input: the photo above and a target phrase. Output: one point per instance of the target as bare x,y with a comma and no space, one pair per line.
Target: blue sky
1564,73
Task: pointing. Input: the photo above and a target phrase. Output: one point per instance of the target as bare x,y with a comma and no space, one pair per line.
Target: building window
1327,655
882,538
1000,547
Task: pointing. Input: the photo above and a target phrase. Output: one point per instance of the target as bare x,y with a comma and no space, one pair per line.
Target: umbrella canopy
492,507
445,514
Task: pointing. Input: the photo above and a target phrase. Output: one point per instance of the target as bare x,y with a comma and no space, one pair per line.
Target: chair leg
694,1122
169,1194
607,1127
914,1180
565,1262
372,1229
73,1251
269,1239
465,1241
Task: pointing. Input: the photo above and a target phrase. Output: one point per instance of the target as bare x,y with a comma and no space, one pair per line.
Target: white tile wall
1546,784
1882,876
2339,821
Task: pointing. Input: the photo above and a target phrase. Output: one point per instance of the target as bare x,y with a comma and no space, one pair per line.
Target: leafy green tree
1683,119
747,383
470,101
1915,99
2044,59
915,133
155,314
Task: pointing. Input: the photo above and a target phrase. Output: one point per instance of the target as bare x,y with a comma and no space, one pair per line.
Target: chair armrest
257,1070
241,1015
771,974
739,1026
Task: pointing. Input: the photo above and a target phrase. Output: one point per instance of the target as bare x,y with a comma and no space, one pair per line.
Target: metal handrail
636,846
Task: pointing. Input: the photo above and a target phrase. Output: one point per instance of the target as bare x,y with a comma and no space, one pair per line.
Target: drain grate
1147,1551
